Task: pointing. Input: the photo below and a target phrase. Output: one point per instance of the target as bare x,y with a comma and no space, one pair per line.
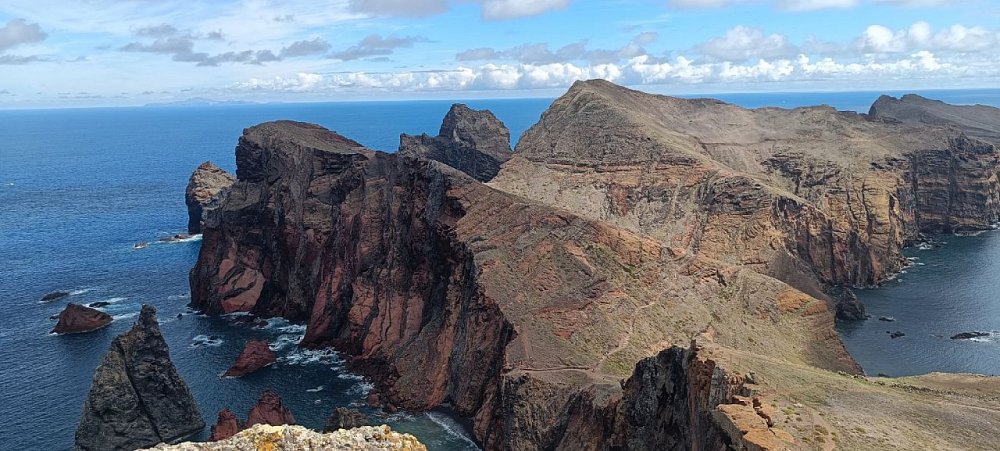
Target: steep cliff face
203,190
980,121
137,398
472,141
806,195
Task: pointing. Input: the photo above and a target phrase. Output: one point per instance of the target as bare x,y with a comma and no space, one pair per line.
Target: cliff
625,224
137,398
472,141
980,121
297,438
202,192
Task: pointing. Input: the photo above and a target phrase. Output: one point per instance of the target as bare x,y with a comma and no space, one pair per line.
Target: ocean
79,186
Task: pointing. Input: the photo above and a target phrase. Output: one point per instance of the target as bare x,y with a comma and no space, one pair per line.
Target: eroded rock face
344,418
297,438
78,319
137,398
203,189
980,121
269,410
472,141
227,425
255,355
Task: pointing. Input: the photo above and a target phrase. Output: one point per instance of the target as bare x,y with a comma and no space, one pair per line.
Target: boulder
78,319
226,426
269,410
344,418
203,189
137,397
256,355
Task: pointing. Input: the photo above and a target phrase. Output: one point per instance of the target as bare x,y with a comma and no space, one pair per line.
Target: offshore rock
203,189
54,296
298,438
472,141
344,418
227,425
137,398
269,410
255,355
78,319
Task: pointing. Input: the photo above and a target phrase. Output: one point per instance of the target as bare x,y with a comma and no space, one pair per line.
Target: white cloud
511,9
956,38
491,9
813,5
742,43
18,32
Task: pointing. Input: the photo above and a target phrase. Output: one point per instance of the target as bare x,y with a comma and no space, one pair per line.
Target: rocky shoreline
623,224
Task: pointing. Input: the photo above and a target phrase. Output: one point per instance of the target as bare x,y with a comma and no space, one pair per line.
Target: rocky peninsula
643,272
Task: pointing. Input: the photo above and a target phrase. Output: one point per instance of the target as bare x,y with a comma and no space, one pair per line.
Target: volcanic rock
98,304
255,355
344,418
472,141
269,410
54,296
77,319
137,398
203,190
226,426
980,121
897,334
298,438
968,335
625,224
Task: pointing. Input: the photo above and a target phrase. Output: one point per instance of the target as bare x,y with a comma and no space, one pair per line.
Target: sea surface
79,186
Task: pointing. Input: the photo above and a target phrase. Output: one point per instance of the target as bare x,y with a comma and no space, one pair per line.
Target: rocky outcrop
78,319
137,398
269,410
297,438
203,189
344,418
54,296
227,425
979,121
625,224
472,141
255,355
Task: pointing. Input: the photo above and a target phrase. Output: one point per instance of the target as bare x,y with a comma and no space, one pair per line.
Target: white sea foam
284,341
177,297
80,291
311,356
361,388
315,390
124,316
351,376
452,428
196,237
205,340
293,329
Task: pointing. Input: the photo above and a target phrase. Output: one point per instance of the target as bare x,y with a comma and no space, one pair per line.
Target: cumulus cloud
314,46
376,45
920,36
491,9
743,43
18,32
180,46
577,51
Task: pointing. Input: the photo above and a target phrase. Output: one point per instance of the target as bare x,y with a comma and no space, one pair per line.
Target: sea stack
269,410
226,426
203,189
256,355
137,398
78,319
472,141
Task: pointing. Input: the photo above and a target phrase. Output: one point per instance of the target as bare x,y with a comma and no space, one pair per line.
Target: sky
133,52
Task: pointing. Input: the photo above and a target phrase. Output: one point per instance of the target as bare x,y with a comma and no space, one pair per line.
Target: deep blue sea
79,186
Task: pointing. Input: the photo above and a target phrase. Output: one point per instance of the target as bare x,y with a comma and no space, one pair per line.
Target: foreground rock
269,410
227,425
255,355
298,438
474,142
625,225
344,418
137,398
78,319
203,188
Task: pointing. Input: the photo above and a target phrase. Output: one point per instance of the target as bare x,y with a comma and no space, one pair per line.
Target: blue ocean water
79,187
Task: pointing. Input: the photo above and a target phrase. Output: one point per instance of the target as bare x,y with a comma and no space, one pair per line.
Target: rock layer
255,355
78,319
298,438
472,141
980,121
137,398
203,189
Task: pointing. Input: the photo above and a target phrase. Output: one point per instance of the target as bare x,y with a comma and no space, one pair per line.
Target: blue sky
127,52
